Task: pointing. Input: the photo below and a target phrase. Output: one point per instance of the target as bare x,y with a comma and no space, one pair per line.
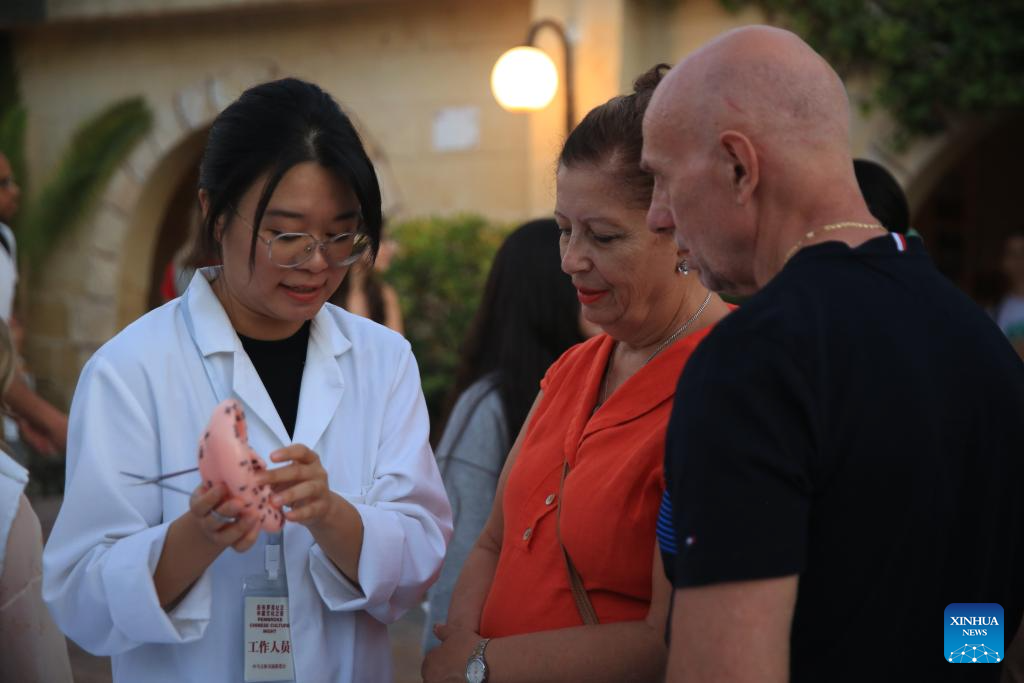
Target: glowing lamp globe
524,79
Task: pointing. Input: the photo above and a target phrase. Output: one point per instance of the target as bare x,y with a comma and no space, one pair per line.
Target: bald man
846,453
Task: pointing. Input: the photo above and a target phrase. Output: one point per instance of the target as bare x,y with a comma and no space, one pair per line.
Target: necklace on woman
661,347
682,328
829,228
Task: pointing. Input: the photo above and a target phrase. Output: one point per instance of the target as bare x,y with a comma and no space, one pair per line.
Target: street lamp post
525,78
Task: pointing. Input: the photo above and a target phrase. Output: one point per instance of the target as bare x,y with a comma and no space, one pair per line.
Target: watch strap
478,651
478,655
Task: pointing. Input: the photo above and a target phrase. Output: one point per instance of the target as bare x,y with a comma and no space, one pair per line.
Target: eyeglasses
292,249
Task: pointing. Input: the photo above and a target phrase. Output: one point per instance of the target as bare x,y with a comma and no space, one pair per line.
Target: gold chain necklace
829,228
682,328
661,347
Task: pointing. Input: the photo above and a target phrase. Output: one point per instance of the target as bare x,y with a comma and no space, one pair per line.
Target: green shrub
439,274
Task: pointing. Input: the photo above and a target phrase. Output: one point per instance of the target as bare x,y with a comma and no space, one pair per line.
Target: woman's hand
334,522
220,518
446,663
213,522
301,485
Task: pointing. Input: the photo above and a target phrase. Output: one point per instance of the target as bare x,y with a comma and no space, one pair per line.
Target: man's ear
744,172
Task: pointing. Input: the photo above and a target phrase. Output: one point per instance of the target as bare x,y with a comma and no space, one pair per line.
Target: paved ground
405,634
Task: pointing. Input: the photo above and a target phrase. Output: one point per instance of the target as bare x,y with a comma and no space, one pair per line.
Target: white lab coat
140,406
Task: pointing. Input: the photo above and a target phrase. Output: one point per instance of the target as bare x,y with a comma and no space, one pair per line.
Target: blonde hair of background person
32,648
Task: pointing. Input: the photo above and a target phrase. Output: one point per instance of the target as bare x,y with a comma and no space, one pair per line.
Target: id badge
267,631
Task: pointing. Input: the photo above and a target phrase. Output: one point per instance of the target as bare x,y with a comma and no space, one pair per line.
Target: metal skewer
156,482
153,480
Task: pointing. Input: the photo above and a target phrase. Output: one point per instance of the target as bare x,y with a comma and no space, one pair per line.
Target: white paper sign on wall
456,129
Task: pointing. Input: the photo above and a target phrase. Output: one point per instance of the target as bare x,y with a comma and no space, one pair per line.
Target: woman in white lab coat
154,578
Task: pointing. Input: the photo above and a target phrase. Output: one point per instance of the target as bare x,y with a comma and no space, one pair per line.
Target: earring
683,268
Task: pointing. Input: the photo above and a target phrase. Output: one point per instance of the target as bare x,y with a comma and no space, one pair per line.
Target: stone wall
394,66
400,67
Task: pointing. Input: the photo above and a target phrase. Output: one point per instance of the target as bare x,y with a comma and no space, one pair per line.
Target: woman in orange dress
578,499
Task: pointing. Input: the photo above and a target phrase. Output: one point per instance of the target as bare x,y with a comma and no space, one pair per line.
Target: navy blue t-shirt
859,422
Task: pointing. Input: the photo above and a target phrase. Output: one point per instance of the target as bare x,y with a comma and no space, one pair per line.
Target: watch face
475,671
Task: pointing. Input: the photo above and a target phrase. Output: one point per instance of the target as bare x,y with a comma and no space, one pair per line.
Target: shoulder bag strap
579,593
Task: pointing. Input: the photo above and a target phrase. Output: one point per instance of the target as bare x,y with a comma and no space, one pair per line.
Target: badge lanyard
266,630
267,640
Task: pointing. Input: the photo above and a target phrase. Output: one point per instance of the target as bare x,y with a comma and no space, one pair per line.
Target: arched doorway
102,280
971,208
160,222
177,231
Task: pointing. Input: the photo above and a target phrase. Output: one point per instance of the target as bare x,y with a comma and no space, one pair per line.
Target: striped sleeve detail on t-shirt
665,531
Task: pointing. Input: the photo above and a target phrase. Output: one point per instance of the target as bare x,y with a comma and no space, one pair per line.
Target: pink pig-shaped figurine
225,457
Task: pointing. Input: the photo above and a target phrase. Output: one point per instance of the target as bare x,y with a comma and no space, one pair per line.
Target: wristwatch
476,667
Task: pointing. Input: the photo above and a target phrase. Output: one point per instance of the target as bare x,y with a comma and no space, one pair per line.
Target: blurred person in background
1009,312
186,261
565,581
32,648
885,198
35,421
529,316
364,293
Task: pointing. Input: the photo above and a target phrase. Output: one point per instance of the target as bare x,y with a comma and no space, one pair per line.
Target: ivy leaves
930,61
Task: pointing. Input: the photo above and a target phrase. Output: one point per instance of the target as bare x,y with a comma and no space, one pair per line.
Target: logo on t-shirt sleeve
973,633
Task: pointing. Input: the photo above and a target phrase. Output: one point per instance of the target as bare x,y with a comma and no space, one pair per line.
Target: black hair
527,318
883,194
613,132
268,130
